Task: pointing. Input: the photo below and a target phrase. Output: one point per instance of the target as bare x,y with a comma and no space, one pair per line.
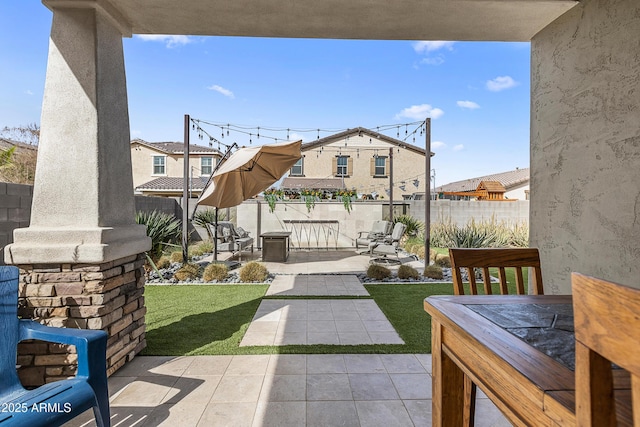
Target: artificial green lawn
212,319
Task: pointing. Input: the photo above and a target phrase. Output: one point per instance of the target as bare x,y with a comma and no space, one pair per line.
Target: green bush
378,272
163,229
215,271
433,272
414,226
163,262
188,271
442,260
253,272
407,272
483,234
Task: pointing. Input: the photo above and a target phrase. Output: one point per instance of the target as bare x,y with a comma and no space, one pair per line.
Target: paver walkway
341,321
316,284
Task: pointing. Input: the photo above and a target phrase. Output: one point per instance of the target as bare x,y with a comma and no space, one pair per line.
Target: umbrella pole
215,238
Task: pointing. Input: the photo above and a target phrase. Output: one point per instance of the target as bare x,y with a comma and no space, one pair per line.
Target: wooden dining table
518,349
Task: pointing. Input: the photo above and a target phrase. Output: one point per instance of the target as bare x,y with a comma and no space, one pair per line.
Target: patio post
82,255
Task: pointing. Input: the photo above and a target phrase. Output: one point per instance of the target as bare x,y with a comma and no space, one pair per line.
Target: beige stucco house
360,159
158,167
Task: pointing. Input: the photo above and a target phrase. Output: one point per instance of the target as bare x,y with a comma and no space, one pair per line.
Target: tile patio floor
359,390
325,390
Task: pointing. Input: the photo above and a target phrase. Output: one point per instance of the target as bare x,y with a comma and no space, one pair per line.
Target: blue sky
476,93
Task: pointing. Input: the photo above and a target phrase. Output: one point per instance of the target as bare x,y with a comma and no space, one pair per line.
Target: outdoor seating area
231,238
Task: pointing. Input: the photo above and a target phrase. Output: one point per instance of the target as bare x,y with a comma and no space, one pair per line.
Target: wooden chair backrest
607,329
517,258
9,327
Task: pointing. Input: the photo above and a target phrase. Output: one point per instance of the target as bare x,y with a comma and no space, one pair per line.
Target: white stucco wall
585,144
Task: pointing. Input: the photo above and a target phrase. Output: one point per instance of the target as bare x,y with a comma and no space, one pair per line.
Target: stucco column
83,203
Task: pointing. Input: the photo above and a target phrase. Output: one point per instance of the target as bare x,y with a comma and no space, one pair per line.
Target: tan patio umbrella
247,172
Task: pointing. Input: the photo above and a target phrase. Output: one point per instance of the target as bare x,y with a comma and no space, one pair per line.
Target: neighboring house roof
508,179
177,147
362,131
294,183
167,183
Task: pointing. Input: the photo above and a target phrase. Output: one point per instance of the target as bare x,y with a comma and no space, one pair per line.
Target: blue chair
55,403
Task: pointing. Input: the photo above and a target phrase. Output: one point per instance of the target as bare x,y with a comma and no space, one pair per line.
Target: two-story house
360,159
158,167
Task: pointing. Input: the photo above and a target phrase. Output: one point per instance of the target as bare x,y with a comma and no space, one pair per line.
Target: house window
206,165
381,163
159,165
341,163
297,168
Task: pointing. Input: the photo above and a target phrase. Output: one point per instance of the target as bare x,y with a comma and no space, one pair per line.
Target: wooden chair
54,403
470,259
607,329
517,258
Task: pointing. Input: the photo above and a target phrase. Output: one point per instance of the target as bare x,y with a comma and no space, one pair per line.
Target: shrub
378,272
419,251
206,247
176,256
407,272
195,251
215,271
188,271
163,262
432,254
414,226
442,260
162,228
253,272
433,272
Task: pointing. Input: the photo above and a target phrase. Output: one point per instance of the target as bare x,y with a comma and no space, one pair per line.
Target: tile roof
167,183
299,183
177,147
508,179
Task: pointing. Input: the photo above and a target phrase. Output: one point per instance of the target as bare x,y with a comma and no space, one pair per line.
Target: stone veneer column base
107,296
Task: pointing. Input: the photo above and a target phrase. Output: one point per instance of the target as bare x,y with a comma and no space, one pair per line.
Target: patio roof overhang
481,20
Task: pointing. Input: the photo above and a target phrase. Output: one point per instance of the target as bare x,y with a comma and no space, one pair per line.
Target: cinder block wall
15,211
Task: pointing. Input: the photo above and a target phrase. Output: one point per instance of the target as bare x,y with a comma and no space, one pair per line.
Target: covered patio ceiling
482,20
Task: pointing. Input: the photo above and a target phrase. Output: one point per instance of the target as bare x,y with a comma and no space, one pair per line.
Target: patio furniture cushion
390,244
379,230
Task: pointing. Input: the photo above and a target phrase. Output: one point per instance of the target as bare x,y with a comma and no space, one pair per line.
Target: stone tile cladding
108,296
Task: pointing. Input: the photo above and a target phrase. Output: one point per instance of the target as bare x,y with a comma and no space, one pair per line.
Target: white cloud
29,92
501,83
468,104
437,60
431,46
458,147
170,41
220,89
437,144
419,112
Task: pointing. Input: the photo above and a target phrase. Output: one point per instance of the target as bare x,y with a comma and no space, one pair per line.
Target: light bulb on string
287,134
250,141
416,183
227,129
398,132
318,133
258,132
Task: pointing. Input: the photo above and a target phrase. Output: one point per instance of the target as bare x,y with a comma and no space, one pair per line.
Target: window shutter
302,165
350,166
334,166
386,166
372,166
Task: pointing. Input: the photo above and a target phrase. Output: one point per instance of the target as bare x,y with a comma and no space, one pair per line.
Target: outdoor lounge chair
231,238
379,230
390,244
57,402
